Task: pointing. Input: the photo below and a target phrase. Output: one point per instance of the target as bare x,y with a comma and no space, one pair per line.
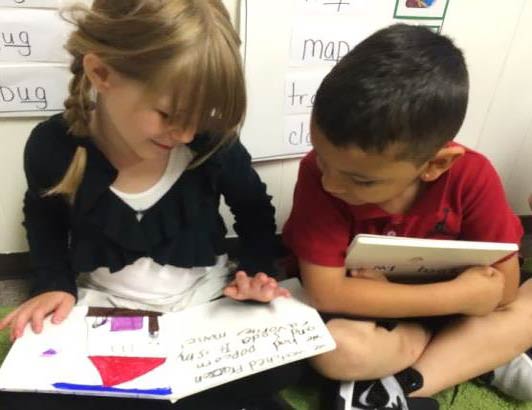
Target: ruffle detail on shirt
182,229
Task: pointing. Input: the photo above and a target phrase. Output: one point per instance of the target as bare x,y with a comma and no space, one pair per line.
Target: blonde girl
124,186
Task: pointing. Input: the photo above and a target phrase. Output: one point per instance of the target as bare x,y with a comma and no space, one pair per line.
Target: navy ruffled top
184,228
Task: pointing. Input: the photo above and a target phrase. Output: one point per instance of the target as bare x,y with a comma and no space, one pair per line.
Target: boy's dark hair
403,84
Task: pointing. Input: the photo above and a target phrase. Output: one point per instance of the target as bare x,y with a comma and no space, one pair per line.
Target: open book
116,352
401,257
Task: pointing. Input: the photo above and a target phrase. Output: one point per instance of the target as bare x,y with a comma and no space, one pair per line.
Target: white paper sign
301,90
28,35
30,3
333,7
297,134
32,89
324,43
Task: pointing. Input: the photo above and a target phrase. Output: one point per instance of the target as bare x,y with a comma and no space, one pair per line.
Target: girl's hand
36,309
261,288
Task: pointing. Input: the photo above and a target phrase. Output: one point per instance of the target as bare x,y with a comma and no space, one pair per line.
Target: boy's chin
350,201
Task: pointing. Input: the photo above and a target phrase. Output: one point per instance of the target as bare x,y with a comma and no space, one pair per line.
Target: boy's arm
476,291
511,273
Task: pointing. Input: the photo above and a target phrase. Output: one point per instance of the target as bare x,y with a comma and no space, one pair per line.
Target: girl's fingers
231,291
7,320
283,292
266,294
262,278
63,310
37,318
242,283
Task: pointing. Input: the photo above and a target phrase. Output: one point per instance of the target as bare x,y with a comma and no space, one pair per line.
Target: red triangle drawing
118,369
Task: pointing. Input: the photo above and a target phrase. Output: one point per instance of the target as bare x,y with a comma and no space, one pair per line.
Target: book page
164,356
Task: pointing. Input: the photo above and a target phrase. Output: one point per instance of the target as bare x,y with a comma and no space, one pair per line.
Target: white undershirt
145,284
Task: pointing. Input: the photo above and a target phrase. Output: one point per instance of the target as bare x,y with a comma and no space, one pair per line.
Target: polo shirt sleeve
487,215
318,229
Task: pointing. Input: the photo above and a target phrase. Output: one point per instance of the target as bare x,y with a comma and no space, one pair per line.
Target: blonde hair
187,44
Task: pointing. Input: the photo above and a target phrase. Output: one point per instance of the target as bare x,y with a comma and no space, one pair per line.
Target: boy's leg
369,356
472,346
366,350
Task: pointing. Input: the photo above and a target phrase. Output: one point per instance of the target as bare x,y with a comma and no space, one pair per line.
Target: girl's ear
441,162
97,72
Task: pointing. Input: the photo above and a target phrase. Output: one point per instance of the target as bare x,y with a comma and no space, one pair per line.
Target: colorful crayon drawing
122,345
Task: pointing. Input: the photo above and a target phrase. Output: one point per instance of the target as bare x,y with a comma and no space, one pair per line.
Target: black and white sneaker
513,379
387,393
384,393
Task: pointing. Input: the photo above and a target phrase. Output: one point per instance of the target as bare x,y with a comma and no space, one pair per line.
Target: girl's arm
246,196
46,218
47,228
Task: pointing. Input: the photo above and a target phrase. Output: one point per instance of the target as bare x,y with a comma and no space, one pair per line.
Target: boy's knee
353,353
412,341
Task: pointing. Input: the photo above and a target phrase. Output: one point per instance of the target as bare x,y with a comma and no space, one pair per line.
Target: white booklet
164,356
432,259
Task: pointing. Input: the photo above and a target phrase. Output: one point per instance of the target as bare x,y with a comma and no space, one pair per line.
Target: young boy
384,163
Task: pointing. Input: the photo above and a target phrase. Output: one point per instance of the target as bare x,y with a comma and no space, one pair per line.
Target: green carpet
469,397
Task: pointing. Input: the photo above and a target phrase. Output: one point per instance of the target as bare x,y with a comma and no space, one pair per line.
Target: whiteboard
290,45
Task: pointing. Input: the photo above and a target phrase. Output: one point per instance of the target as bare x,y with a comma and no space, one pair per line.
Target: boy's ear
441,162
97,72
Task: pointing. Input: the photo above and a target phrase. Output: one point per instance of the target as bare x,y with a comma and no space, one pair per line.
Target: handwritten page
32,35
186,352
32,89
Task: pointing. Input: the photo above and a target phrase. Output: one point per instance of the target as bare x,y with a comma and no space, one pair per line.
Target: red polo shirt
467,202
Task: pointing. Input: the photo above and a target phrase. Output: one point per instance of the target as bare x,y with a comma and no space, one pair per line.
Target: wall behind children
492,34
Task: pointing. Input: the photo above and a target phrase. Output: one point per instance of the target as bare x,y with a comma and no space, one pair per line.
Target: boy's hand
36,309
261,288
368,274
483,289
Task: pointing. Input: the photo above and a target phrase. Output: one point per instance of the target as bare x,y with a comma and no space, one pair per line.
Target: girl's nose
183,136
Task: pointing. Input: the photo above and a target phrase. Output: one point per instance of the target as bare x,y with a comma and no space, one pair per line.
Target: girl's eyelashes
163,114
